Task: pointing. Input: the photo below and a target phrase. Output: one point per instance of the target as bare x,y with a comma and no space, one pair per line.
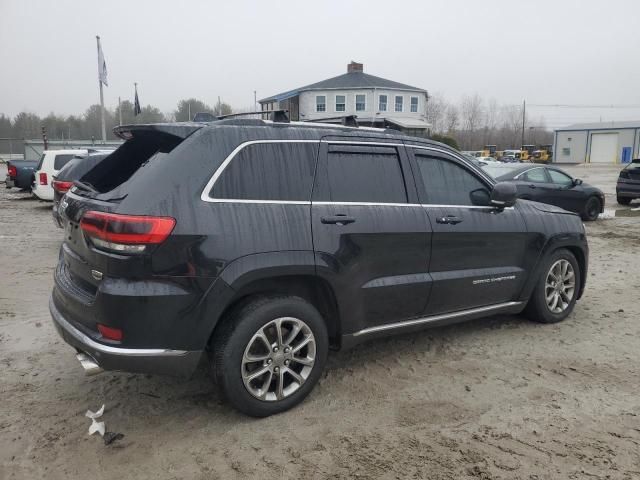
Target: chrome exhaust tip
89,364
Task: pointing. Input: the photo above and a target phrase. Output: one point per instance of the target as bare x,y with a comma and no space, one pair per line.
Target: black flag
136,103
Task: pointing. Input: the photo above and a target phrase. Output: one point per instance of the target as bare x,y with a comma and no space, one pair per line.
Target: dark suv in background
628,186
264,244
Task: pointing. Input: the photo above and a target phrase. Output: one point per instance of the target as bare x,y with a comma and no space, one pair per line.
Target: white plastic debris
96,426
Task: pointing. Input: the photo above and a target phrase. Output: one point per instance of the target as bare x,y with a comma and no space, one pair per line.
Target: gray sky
547,52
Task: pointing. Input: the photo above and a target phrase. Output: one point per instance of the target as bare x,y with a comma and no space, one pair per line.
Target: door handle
449,220
531,185
339,219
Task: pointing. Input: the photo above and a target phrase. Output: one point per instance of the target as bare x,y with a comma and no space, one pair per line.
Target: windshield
634,165
498,170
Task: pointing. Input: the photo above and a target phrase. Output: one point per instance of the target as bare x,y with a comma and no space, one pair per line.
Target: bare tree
436,112
451,119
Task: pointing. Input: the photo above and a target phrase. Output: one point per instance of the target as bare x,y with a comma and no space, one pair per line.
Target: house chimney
355,67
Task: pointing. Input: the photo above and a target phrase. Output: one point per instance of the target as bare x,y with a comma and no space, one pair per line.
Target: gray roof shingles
346,81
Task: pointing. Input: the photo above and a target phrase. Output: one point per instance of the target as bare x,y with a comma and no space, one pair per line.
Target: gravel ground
495,398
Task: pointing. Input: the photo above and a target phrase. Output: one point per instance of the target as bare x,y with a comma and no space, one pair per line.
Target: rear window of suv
61,161
269,171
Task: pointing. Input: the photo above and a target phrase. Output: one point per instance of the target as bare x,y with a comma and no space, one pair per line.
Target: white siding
308,104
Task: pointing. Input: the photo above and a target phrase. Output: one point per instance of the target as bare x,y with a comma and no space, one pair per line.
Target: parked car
20,173
71,172
50,164
628,186
553,186
260,245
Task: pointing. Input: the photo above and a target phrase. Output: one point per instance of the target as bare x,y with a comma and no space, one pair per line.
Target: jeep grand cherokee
258,246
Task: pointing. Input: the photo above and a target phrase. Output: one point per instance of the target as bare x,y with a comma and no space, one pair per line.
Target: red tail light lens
12,171
60,186
110,333
125,233
43,178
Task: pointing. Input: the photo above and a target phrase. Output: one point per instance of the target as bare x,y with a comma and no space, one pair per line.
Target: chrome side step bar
89,364
461,314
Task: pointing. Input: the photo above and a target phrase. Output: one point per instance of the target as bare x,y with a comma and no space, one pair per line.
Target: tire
623,200
238,336
591,209
538,309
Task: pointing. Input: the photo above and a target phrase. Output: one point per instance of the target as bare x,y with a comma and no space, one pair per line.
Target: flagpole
104,128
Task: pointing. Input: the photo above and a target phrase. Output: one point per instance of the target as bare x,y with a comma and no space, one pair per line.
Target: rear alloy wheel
269,353
278,359
591,209
623,200
556,292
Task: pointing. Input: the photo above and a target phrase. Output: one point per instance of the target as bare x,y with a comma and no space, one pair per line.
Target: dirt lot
495,398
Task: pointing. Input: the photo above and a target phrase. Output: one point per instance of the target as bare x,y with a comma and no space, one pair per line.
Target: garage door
604,148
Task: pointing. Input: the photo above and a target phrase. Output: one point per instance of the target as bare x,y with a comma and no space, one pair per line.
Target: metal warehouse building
607,142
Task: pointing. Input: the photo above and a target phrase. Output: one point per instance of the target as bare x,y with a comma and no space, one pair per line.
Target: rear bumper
9,182
138,360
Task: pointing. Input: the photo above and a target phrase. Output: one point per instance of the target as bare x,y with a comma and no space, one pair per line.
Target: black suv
265,244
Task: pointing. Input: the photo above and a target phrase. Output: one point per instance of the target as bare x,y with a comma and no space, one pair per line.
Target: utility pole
189,119
119,112
255,102
524,110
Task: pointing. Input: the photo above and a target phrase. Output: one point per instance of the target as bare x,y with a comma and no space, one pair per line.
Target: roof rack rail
278,116
346,120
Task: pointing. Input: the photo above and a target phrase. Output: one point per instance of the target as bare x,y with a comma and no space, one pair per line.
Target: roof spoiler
180,130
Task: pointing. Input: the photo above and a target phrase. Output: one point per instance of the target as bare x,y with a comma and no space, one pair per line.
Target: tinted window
270,171
371,174
536,175
447,183
61,161
560,178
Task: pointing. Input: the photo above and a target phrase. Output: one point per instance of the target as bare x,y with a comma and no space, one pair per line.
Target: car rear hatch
101,243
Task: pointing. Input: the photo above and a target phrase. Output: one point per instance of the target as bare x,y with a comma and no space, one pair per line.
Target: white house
374,100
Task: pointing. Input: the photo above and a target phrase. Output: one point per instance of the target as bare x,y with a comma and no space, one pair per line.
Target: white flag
102,65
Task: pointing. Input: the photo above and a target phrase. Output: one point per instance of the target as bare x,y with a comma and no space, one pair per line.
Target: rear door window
537,175
364,175
445,182
61,160
269,171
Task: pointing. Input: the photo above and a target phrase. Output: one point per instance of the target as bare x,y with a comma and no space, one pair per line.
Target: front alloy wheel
556,290
278,359
560,286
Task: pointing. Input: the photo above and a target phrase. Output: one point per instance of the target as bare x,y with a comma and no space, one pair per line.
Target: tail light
624,174
60,186
125,233
43,178
12,171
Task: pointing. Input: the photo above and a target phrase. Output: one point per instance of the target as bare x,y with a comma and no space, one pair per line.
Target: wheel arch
280,273
576,243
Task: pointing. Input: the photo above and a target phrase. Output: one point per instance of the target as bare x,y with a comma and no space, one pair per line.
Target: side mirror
577,181
504,194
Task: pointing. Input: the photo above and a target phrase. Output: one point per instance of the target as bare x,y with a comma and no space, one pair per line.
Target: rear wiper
85,186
